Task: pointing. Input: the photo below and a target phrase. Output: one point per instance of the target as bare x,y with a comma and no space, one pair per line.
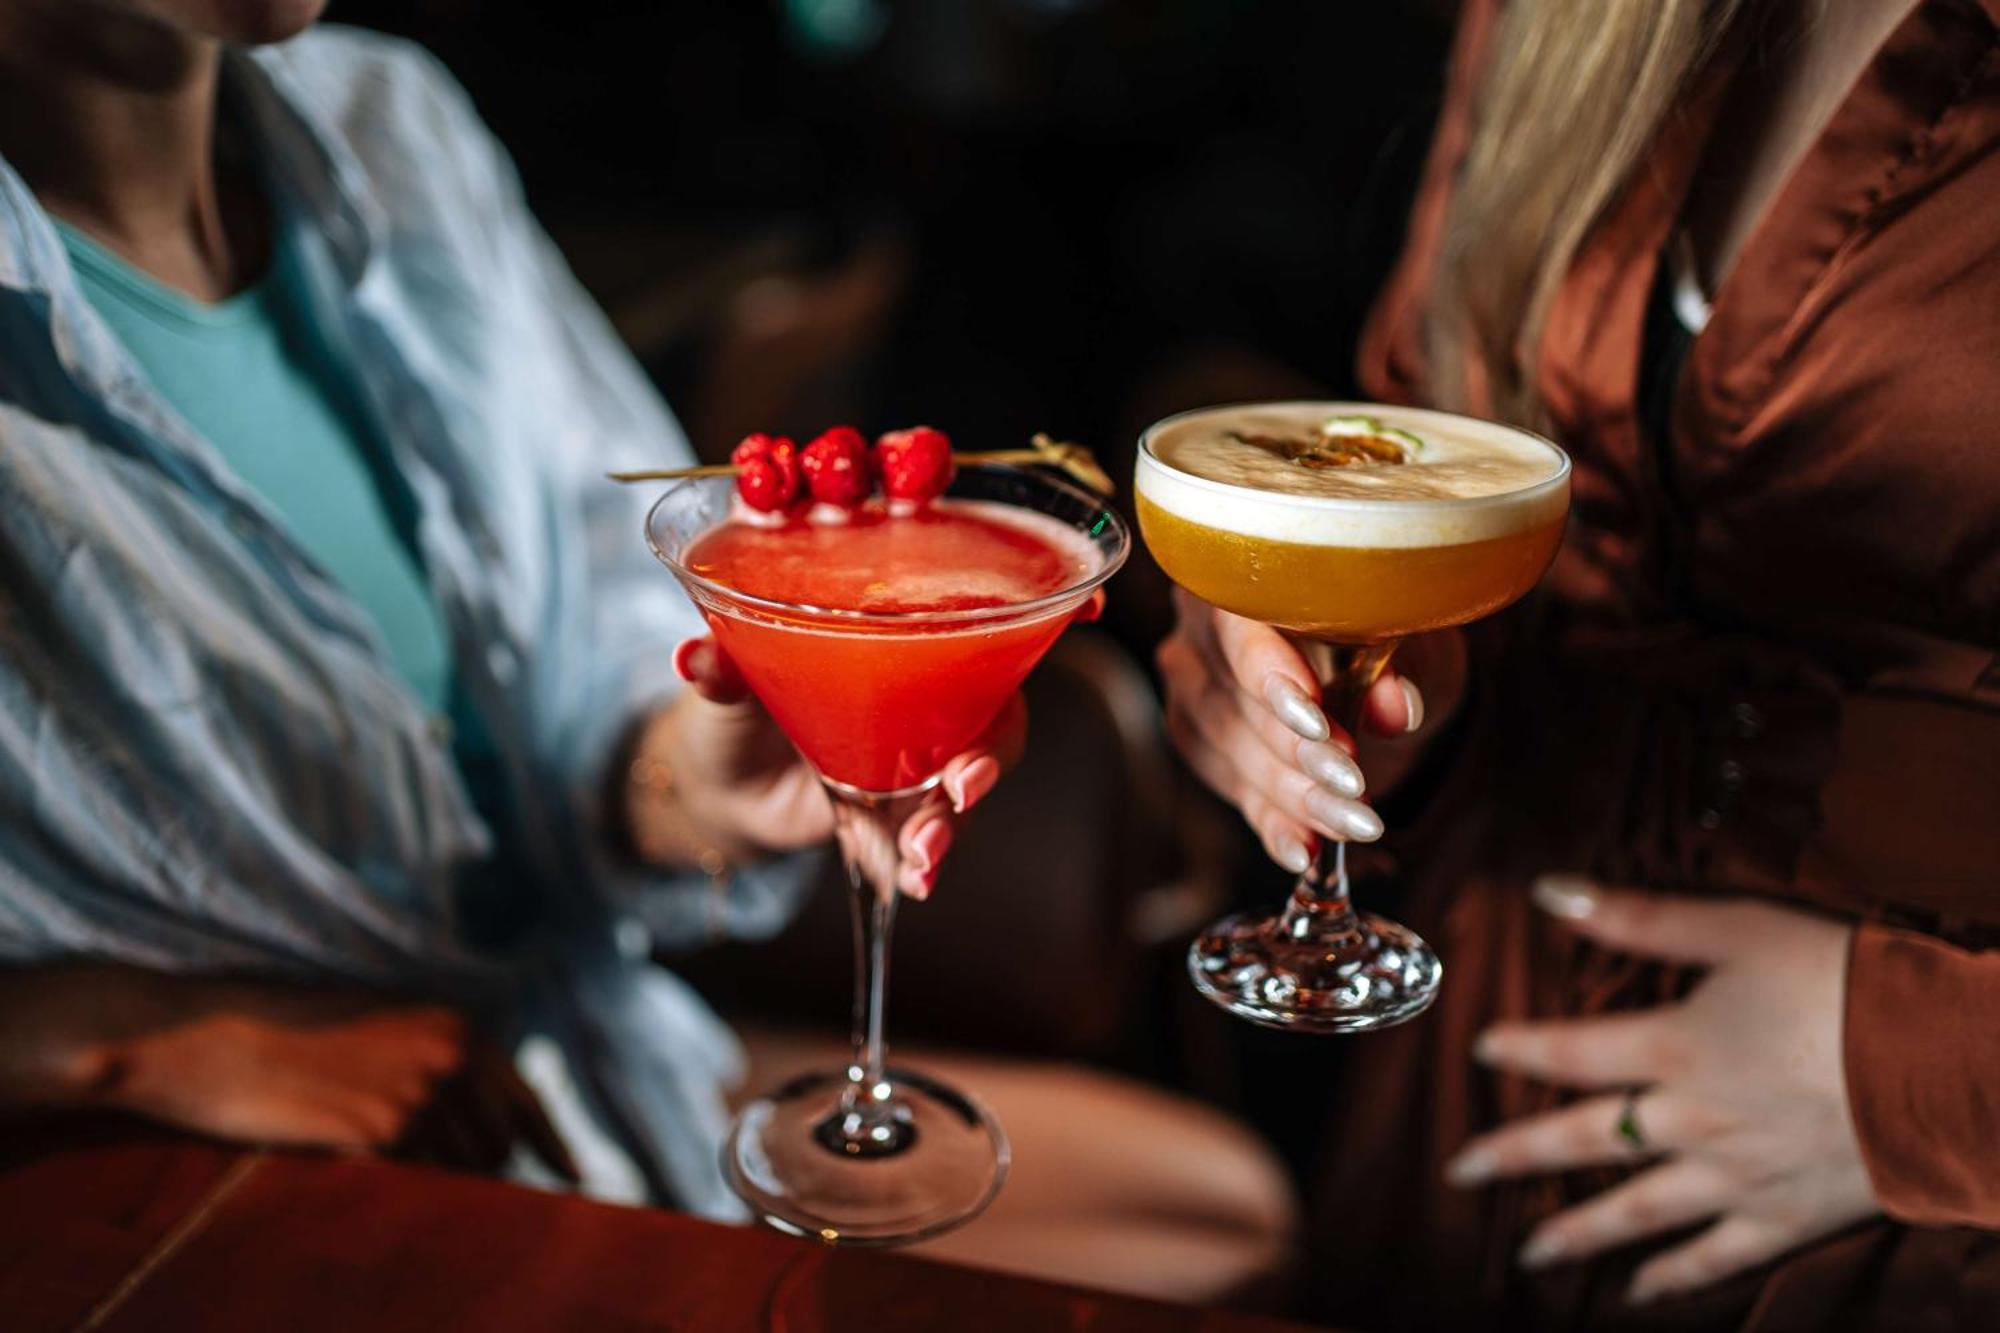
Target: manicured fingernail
1570,897
1413,705
1293,856
973,783
1296,711
1347,819
1643,1293
1473,1167
928,847
1542,1250
1331,768
684,659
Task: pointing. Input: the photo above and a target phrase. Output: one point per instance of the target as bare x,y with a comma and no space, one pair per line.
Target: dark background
994,216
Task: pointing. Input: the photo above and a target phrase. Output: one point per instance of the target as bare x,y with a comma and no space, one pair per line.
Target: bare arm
263,1062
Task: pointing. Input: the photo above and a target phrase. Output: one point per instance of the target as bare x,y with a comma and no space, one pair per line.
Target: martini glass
1346,579
877,702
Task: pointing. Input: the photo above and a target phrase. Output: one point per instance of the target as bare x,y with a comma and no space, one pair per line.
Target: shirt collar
313,173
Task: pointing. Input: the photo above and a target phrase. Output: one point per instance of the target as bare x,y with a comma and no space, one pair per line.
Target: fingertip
928,844
1569,897
1092,608
703,664
1394,706
1490,1046
1472,1167
686,658
968,783
1295,707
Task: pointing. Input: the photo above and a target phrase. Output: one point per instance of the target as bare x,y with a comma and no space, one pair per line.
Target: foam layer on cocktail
1471,481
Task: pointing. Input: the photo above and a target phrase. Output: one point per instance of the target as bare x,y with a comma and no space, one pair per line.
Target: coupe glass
877,703
1347,581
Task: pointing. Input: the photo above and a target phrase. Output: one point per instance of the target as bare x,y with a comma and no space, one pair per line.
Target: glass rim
1034,609
1343,503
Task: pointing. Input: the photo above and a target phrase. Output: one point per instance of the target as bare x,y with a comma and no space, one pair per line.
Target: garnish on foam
1340,442
914,466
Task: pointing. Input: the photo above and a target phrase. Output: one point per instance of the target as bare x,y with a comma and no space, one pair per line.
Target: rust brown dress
1765,662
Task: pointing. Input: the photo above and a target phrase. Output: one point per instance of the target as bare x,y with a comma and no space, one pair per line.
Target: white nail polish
1470,1168
1542,1250
1348,819
1413,705
1296,711
1331,768
1293,856
1570,897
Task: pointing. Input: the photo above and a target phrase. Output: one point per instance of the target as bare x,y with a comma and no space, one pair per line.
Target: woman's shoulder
353,73
392,106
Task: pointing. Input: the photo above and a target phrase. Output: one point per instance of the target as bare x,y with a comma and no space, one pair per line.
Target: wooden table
108,1227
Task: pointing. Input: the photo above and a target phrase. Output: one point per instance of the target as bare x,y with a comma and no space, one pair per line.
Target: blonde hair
1573,94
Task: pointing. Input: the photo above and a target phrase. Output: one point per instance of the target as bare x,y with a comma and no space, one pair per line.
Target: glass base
1375,976
785,1158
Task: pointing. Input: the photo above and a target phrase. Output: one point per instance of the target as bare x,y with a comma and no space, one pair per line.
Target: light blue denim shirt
207,762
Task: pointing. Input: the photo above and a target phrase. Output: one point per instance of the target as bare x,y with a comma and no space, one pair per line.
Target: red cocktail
879,693
883,642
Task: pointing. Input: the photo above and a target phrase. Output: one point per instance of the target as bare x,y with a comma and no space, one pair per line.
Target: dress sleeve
1923,1075
1912,804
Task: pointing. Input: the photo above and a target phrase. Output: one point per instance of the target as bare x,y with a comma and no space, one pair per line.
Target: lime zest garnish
1334,427
1343,428
1409,440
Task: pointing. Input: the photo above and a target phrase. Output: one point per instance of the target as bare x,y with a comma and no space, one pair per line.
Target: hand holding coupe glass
886,635
1350,527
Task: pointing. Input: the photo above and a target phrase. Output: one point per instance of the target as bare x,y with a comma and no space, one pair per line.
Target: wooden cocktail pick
1073,460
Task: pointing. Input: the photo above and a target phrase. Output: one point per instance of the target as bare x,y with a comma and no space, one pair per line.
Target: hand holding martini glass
883,635
1349,527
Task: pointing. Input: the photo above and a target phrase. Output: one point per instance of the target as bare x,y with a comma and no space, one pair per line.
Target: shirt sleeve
1926,1102
615,613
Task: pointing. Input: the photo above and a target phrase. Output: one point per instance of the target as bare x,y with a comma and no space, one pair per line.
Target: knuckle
1671,1052
1785,1217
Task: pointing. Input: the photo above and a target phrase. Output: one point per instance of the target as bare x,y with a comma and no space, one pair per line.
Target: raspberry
916,463
837,467
767,474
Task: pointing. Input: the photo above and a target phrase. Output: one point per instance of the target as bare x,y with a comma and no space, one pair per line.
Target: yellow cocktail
1353,526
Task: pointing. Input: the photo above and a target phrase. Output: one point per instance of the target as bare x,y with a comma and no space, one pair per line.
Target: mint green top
259,382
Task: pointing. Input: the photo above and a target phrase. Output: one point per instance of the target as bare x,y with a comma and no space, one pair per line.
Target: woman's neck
111,120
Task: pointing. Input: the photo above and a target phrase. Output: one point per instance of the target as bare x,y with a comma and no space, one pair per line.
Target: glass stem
1320,907
870,1123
